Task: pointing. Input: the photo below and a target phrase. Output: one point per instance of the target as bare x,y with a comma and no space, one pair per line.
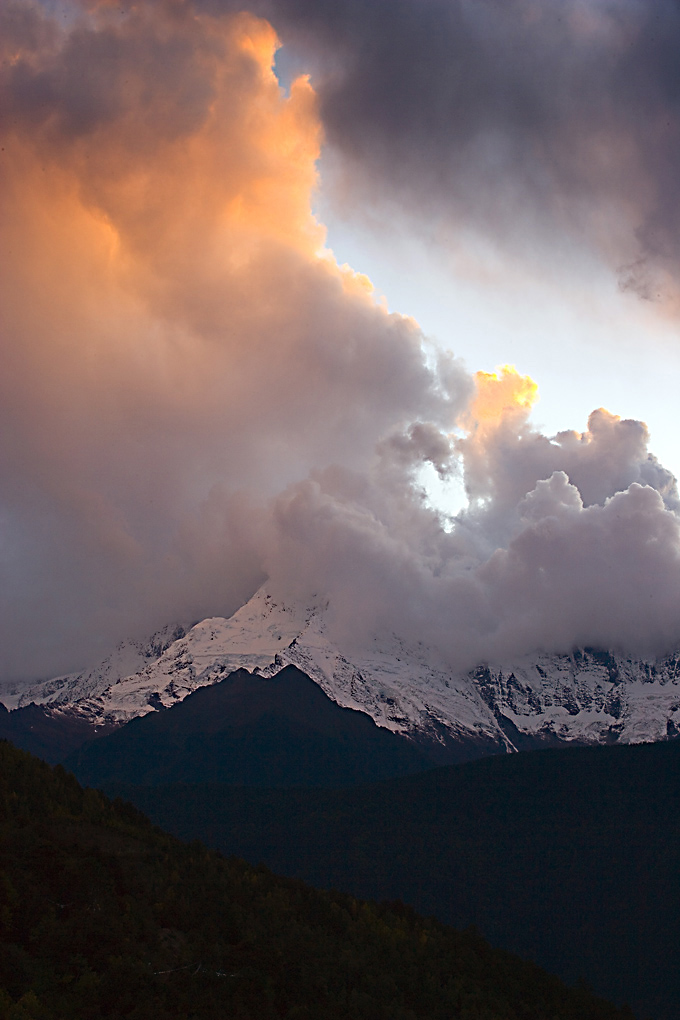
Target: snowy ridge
128,658
589,696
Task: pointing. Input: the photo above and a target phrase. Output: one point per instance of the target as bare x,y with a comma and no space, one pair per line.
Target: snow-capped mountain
587,696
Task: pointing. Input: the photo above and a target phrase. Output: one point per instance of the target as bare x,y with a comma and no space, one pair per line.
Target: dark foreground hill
250,730
568,857
103,916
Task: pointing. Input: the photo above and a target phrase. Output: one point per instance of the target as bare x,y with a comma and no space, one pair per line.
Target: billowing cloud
195,395
504,455
172,328
524,567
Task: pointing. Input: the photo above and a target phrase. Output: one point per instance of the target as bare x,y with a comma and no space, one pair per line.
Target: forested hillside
567,857
103,915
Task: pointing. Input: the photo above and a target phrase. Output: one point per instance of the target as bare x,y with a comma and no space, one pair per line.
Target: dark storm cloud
533,122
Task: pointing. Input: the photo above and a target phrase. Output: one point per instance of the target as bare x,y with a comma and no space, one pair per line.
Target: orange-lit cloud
499,394
173,331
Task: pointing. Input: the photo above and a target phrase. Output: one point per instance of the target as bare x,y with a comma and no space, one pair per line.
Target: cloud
173,333
195,395
565,574
566,541
586,574
538,126
504,456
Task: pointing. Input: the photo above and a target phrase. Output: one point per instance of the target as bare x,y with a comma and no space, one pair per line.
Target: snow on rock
589,696
128,658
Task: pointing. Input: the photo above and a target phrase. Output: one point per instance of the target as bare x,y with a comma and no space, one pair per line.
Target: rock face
589,696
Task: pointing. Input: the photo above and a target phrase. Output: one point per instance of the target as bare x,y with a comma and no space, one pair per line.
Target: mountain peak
250,730
588,696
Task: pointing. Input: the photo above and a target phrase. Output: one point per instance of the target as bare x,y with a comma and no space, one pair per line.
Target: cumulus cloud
548,571
173,333
504,455
196,396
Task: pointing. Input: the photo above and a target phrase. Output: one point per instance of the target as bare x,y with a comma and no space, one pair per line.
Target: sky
376,301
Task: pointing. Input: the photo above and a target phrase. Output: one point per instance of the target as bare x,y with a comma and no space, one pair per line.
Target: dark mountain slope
102,916
569,857
49,733
249,730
